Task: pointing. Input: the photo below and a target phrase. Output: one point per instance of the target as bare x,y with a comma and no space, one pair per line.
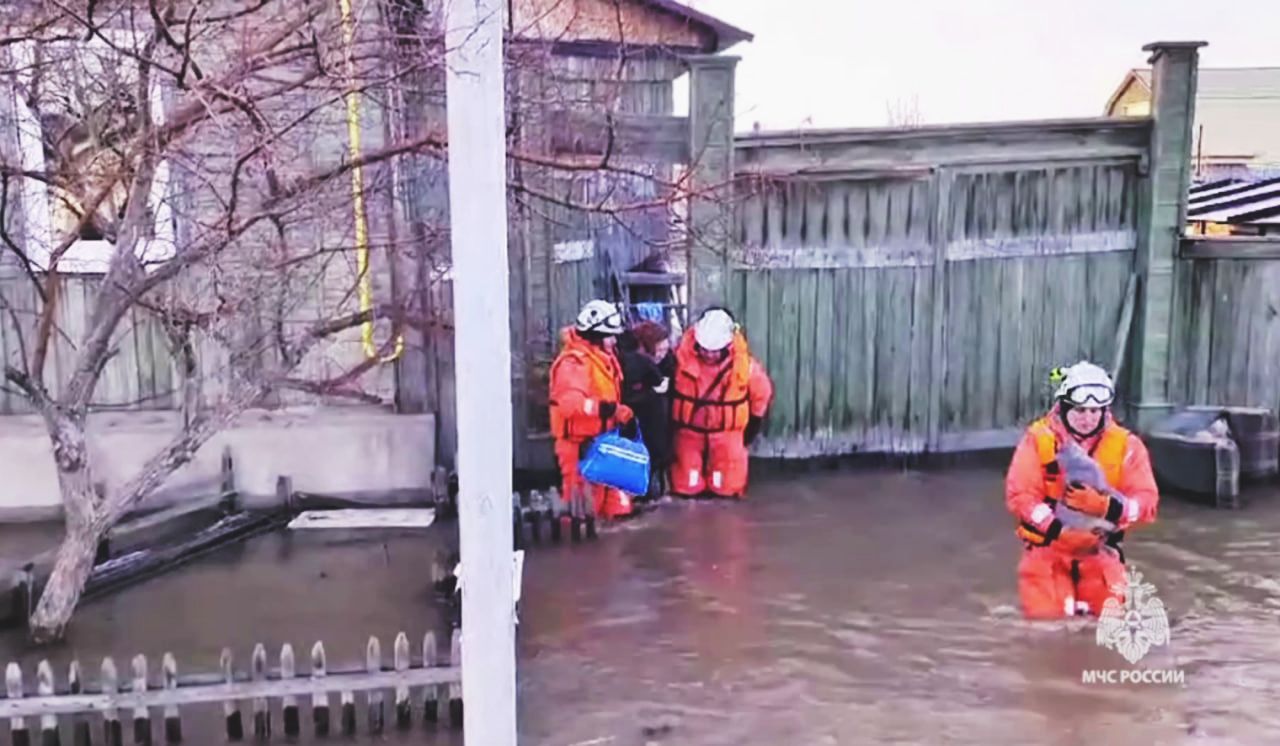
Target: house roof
1238,108
726,34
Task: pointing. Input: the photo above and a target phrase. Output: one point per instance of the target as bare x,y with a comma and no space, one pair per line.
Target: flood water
869,606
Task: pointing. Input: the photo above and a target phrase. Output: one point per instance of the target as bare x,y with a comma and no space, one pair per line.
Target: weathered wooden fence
1226,346
910,290
115,700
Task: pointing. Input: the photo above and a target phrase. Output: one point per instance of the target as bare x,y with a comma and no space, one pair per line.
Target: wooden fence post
13,690
230,708
431,697
373,664
289,670
80,733
113,730
320,699
404,707
711,213
1161,221
172,716
44,688
141,715
261,707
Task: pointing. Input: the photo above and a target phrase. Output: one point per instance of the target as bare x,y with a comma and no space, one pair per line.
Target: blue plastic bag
617,462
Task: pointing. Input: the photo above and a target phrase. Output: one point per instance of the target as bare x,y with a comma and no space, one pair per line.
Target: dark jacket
640,376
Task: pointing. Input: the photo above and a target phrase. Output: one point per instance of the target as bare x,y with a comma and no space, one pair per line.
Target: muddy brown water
869,606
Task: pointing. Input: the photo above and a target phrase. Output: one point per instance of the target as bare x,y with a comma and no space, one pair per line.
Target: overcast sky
833,63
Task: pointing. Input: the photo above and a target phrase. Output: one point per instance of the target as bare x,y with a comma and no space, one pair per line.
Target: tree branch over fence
225,221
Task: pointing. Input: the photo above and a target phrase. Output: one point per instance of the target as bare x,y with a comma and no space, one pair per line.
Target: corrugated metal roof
1235,202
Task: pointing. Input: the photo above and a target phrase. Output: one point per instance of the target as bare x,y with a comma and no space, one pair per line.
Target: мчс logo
1133,626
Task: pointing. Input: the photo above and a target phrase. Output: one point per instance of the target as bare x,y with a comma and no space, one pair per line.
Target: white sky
835,63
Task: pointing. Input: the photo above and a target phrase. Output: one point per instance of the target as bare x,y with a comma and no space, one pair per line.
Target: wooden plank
1012,338
903,254
370,518
806,352
1202,307
841,308
1226,333
1063,243
869,350
652,138
1223,247
784,333
1268,374
756,318
940,234
793,215
986,300
962,318
823,354
919,398
949,144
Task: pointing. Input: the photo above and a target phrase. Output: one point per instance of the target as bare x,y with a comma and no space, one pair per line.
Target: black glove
753,429
608,409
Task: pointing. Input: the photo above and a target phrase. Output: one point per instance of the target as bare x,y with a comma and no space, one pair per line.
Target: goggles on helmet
1090,394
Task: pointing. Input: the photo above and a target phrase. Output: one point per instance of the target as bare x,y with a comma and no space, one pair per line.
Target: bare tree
904,113
223,171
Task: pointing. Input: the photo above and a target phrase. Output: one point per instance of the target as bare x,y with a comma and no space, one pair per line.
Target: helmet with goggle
1086,385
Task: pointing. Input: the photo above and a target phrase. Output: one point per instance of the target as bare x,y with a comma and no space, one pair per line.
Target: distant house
1237,124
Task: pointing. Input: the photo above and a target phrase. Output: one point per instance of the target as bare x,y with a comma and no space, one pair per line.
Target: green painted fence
921,308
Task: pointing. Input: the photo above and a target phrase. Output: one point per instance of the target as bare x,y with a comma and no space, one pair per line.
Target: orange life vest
1109,453
720,403
604,383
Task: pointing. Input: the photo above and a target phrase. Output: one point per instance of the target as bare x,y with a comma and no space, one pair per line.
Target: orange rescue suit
711,406
1064,578
583,377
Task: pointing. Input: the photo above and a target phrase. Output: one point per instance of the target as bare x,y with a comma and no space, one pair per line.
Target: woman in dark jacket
647,367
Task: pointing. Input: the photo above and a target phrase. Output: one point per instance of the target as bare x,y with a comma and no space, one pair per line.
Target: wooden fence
1226,344
115,701
910,290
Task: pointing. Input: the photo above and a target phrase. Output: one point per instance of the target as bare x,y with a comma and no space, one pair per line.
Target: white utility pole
482,343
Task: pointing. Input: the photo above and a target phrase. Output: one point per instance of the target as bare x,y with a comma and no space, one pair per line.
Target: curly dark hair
648,334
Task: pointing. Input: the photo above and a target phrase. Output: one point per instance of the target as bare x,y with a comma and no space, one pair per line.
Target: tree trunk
71,571
84,529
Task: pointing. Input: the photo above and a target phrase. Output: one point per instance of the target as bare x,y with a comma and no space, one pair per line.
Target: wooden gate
909,291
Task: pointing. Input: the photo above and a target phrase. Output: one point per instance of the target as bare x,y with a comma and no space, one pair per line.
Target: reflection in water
844,608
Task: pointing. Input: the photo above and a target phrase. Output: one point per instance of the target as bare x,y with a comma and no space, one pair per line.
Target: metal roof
1235,202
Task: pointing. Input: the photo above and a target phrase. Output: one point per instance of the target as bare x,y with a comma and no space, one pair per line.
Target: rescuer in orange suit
720,396
1072,571
586,399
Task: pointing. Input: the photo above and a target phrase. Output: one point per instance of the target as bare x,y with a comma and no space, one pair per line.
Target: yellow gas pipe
357,190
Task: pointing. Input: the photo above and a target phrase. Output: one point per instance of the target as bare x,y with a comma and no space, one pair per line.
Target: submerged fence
425,690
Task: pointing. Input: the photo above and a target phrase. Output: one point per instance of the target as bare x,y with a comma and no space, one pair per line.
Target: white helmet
1085,385
714,331
599,316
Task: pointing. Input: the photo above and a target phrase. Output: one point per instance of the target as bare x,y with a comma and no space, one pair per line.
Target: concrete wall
353,453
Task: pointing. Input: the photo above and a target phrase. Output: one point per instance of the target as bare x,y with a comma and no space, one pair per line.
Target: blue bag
617,462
